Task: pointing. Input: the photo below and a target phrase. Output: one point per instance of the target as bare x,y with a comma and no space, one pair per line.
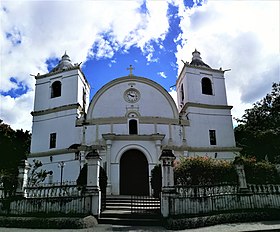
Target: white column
23,170
166,159
241,177
93,190
158,146
108,159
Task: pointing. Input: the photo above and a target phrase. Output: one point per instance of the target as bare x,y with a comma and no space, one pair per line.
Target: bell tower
202,99
61,97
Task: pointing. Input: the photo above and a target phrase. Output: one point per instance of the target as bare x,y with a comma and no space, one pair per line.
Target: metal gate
145,205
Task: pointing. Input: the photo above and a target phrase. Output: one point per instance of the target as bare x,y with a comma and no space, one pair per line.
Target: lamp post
61,166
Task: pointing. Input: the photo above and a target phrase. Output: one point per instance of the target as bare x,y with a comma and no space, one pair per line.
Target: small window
133,130
182,93
52,140
212,136
206,86
84,98
56,89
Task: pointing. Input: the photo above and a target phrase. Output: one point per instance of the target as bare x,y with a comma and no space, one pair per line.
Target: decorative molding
151,137
57,109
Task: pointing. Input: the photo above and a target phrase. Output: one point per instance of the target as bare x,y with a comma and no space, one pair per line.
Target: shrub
204,171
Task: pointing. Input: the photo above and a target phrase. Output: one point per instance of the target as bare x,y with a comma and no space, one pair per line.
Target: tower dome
64,64
197,61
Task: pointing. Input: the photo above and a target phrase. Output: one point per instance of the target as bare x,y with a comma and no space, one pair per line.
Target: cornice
57,72
202,149
151,137
51,152
56,109
205,106
142,120
66,150
62,71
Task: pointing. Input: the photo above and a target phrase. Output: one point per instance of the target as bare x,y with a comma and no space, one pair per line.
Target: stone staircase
131,210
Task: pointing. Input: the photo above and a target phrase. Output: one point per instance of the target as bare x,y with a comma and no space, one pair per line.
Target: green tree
37,175
14,146
258,132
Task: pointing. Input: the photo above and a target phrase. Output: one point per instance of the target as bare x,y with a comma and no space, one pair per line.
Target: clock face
132,95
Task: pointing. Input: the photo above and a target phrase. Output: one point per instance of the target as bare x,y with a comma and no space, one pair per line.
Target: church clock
132,95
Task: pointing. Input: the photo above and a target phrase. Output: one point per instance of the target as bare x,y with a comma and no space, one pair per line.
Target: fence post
23,170
92,189
168,189
241,177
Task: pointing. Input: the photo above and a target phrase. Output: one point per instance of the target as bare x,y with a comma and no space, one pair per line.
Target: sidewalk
234,227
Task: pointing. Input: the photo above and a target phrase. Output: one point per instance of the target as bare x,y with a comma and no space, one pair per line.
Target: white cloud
240,35
34,31
16,111
173,94
162,74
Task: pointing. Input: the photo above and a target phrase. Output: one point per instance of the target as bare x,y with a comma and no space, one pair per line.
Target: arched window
56,89
182,93
206,86
133,130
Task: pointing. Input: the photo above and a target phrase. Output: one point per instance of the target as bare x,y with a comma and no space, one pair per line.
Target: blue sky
153,36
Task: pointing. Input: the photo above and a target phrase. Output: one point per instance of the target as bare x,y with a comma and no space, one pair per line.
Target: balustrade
200,191
262,188
54,190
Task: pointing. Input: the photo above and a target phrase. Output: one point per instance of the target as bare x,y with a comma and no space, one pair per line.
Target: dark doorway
134,176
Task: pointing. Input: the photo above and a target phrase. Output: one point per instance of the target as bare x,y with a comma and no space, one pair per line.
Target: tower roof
64,64
197,61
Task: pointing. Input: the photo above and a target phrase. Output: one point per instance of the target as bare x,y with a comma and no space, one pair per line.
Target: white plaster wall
111,102
69,90
42,94
191,79
83,85
203,120
71,169
225,155
62,123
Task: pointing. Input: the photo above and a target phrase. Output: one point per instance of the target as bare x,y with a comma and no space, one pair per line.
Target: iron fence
198,200
46,206
145,205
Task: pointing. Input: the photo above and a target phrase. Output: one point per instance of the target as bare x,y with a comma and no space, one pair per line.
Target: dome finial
64,64
196,55
196,59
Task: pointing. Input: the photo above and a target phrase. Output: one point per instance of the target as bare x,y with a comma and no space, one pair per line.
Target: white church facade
129,121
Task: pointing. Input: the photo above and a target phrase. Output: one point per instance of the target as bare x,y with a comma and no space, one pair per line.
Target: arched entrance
134,173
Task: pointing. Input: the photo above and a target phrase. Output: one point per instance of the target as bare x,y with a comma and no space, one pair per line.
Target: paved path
234,227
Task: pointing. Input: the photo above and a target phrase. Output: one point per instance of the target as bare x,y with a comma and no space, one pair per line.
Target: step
128,214
127,210
130,221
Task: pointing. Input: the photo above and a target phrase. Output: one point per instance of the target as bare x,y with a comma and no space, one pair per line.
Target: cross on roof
130,70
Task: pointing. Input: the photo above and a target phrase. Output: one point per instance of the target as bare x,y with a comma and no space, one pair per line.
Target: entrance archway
134,173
